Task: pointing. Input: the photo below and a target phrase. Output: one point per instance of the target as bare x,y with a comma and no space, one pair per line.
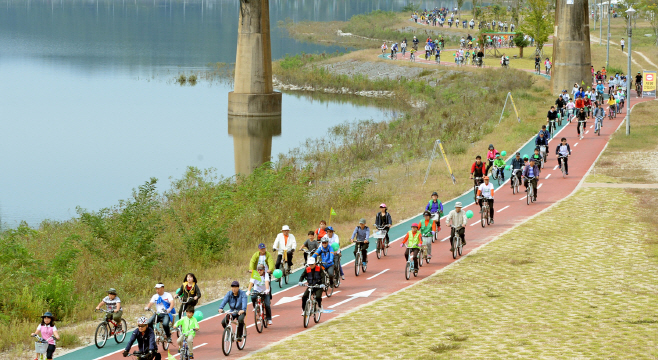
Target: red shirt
479,168
320,233
580,103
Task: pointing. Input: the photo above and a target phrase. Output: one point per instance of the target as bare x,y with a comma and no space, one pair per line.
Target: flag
582,82
255,275
332,212
169,356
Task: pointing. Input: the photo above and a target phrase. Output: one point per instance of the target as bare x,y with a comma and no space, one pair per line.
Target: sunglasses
142,326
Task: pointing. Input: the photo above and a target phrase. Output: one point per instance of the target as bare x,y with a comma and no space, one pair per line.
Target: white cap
285,227
458,204
310,260
159,285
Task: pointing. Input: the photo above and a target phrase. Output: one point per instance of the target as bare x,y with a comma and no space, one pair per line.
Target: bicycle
478,181
326,279
412,57
571,113
108,327
311,307
498,174
581,127
158,329
184,350
597,126
380,235
638,89
599,97
358,260
260,318
457,243
530,197
285,269
409,267
515,181
231,333
425,248
485,213
543,153
41,346
183,304
563,167
139,355
611,112
537,69
436,219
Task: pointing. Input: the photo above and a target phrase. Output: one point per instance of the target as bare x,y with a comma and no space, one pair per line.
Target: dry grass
587,290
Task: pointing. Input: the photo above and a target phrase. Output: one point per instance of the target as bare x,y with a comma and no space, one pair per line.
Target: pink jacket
491,155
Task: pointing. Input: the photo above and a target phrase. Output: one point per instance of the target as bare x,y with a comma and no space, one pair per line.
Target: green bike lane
287,296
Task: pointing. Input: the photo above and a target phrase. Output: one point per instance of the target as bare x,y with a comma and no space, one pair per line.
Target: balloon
198,315
525,156
504,153
469,214
277,274
507,167
335,246
454,54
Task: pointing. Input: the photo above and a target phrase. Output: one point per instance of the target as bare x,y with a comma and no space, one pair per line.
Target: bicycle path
386,276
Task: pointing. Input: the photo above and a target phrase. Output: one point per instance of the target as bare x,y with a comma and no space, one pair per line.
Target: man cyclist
537,157
599,91
563,150
537,61
477,171
551,117
332,238
414,241
457,218
361,234
638,81
383,219
285,241
261,257
530,174
261,284
327,255
164,305
236,300
435,206
313,276
428,229
599,114
517,167
499,166
113,304
486,193
560,103
145,338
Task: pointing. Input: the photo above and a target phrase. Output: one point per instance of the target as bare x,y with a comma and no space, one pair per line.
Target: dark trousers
491,206
566,164
489,165
279,258
364,249
584,125
266,304
50,351
462,234
532,182
415,255
318,297
164,319
240,322
330,272
518,176
183,307
337,263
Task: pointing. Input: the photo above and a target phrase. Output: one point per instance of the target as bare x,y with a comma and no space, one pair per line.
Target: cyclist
457,218
531,174
189,326
598,114
571,109
551,117
285,241
517,167
361,234
499,164
261,284
560,105
322,230
332,238
435,206
486,192
588,104
261,257
164,306
580,103
310,244
113,304
582,121
537,157
189,292
145,338
537,61
491,155
477,170
237,301
327,255
383,218
564,150
599,90
415,241
384,47
565,96
611,105
47,329
638,82
428,229
547,65
543,130
313,276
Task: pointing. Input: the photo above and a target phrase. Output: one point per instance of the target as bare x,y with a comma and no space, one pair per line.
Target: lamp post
630,12
607,54
600,21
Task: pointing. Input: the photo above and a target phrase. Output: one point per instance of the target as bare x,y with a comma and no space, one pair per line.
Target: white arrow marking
285,300
503,208
362,294
374,276
549,175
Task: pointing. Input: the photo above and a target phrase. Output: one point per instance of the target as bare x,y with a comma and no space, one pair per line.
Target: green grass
585,289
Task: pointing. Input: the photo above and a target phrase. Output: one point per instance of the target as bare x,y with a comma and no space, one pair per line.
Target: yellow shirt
611,101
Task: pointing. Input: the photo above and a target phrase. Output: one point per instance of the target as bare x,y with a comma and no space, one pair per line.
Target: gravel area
374,70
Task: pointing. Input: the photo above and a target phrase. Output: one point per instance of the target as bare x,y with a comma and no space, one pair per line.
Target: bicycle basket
40,348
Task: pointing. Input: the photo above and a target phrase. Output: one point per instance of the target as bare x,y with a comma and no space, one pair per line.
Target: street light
630,12
607,51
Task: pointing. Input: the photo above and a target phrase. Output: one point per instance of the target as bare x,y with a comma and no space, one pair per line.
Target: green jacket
499,163
254,261
187,324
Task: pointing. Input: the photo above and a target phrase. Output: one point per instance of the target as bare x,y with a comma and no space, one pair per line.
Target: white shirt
280,243
111,304
622,42
160,308
457,219
486,190
260,285
262,259
333,239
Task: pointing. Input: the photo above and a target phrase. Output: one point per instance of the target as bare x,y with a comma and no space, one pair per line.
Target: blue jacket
540,141
434,207
235,303
145,342
327,255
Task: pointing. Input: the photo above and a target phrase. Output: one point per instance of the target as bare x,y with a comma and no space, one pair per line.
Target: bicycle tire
500,180
482,216
357,263
513,185
528,194
286,273
122,334
460,248
258,319
407,271
280,281
336,278
165,345
100,337
307,310
364,266
317,315
379,249
454,247
241,344
420,258
385,248
328,289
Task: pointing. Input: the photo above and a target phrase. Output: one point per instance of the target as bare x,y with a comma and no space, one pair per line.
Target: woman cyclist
383,219
188,292
491,156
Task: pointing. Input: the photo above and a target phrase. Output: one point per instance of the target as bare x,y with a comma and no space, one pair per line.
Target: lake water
86,114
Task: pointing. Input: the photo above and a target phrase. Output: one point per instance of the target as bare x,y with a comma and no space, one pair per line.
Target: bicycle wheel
513,181
357,263
385,248
307,310
120,336
280,281
460,248
500,180
317,314
258,319
165,345
379,249
100,337
364,266
482,216
336,278
420,258
328,289
529,194
286,272
243,342
454,247
407,271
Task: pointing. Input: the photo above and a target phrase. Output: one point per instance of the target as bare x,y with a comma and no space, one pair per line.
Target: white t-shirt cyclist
486,190
159,307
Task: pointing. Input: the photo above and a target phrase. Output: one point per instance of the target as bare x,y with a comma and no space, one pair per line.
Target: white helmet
142,321
310,260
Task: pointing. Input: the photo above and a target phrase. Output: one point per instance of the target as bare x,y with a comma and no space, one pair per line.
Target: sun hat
48,314
285,227
310,260
458,204
362,221
159,285
382,205
112,291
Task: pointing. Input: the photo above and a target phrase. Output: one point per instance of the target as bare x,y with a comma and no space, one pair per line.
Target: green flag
169,356
255,275
332,211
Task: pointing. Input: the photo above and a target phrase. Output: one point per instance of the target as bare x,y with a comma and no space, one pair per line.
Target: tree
460,3
520,41
538,23
650,8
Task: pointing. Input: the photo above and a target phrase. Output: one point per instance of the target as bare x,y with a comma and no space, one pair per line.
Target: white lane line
523,198
586,132
576,144
475,223
591,126
555,168
547,176
540,185
445,239
502,209
374,276
325,296
248,326
204,344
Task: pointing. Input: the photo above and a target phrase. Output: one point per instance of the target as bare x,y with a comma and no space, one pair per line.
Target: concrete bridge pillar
572,58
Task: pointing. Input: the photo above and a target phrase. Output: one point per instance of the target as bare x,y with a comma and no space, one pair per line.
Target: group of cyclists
438,17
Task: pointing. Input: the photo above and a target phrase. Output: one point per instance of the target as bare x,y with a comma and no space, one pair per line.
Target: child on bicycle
536,157
47,330
499,165
113,304
189,326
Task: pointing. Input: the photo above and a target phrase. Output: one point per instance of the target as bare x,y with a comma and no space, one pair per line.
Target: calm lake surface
88,110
